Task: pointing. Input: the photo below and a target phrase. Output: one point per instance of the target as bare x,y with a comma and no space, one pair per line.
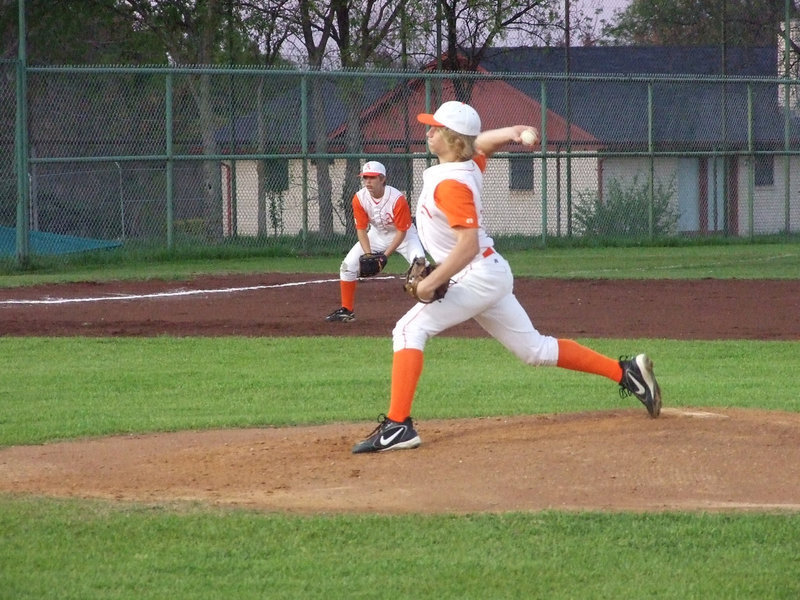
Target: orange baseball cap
372,169
459,117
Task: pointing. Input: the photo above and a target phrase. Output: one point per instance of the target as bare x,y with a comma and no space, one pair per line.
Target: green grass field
65,388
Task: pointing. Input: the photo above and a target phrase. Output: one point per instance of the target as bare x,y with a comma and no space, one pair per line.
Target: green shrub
625,211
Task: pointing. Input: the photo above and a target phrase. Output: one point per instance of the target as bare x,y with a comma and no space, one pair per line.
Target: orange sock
573,356
406,369
348,289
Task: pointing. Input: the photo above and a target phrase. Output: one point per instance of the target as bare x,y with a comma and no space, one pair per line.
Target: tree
76,32
357,31
700,22
268,23
457,33
361,29
471,27
73,32
193,32
315,22
349,34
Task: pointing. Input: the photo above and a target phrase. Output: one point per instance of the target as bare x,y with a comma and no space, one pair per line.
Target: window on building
398,172
764,168
520,173
276,174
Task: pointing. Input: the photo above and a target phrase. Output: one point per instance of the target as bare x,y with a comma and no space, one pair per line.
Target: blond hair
462,145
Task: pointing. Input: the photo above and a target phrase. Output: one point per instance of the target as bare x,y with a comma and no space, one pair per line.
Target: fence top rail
552,153
399,74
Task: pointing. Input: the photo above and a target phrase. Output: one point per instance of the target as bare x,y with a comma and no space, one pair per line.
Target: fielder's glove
418,271
371,264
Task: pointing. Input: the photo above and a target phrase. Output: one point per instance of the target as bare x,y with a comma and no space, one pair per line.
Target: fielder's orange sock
406,369
573,356
348,289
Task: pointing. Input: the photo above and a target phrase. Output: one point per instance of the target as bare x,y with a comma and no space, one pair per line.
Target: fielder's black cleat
389,435
638,379
341,314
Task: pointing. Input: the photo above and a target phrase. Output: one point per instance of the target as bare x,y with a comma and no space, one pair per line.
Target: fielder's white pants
482,291
378,242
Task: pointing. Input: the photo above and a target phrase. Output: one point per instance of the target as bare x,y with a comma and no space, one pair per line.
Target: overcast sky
599,10
607,6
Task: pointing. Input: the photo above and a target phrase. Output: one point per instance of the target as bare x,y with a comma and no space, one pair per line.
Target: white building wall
626,170
506,211
769,201
291,218
516,212
520,212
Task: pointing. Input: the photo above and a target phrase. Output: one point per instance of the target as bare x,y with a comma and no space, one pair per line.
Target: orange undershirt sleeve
402,215
456,201
359,214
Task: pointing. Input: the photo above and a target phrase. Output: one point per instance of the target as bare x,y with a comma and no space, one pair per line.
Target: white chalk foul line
229,290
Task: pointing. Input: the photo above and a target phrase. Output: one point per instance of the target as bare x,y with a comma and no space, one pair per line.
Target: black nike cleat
638,379
341,314
389,435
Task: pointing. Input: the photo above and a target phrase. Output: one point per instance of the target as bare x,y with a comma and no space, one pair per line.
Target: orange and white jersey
387,214
451,197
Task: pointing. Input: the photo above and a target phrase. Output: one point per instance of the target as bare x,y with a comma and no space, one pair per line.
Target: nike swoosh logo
385,441
641,390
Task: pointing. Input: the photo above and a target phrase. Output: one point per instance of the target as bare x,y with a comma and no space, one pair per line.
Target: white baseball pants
482,291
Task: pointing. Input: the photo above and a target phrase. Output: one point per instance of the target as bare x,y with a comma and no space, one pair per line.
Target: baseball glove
418,271
371,264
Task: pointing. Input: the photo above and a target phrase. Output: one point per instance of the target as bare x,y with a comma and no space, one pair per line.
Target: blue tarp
51,243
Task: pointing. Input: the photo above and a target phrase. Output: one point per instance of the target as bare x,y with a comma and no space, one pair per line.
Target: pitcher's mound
688,459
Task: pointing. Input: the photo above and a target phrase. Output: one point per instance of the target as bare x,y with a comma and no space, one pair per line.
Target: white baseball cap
372,169
459,117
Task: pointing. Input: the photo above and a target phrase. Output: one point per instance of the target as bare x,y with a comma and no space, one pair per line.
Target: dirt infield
688,459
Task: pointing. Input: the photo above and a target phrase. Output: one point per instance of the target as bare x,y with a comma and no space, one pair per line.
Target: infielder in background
450,222
383,226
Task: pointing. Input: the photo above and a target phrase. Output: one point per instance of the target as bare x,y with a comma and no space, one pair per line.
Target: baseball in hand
528,137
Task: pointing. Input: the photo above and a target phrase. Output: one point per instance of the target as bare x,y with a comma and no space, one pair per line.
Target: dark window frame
399,171
521,174
764,170
276,174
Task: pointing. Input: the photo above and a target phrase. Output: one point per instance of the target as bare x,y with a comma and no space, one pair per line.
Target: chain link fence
184,157
8,180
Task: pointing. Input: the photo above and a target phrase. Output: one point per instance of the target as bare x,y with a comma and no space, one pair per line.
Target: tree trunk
261,148
212,190
353,165
324,185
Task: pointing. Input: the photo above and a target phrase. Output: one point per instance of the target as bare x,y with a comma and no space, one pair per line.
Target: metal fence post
428,109
652,161
232,150
544,163
121,202
751,161
21,146
787,46
304,150
170,162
